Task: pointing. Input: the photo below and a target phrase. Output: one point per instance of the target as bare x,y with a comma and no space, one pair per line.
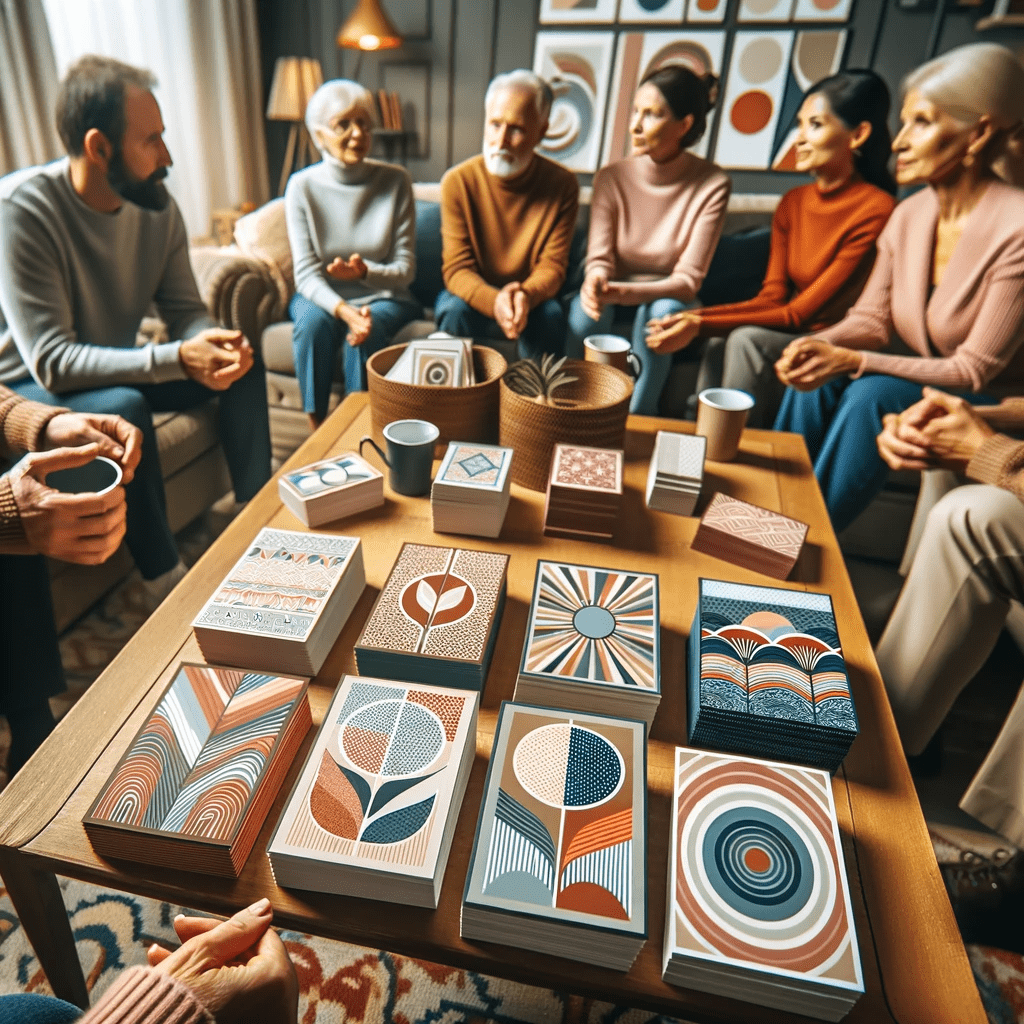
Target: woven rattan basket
460,414
596,418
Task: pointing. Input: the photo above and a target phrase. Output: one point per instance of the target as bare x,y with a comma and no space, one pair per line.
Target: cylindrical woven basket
460,414
532,430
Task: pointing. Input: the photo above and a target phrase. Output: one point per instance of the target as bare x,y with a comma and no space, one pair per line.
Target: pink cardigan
968,334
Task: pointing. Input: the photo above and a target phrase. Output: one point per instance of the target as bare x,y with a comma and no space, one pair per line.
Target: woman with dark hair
654,223
822,244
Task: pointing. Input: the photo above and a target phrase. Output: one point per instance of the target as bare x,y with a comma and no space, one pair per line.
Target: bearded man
507,218
88,245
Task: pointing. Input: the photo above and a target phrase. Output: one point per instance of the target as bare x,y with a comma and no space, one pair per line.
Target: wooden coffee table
914,963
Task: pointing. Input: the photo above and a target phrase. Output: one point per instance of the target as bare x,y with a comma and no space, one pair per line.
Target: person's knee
973,515
666,307
130,404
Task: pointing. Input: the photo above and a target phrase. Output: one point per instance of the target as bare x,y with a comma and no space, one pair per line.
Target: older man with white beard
507,218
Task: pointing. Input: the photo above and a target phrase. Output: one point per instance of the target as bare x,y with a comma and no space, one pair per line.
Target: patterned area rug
339,982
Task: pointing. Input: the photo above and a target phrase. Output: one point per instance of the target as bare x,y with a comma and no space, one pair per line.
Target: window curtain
206,58
28,87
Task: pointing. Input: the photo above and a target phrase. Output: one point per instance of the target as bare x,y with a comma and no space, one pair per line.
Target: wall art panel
579,12
653,11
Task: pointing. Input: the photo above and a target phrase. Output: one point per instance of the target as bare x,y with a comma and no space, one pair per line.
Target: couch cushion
738,267
263,235
276,346
428,282
181,437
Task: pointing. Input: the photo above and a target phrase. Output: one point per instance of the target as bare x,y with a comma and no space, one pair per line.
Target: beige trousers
968,567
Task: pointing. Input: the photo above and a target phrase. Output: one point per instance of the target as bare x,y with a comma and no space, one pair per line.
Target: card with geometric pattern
197,767
587,469
562,830
481,466
758,893
330,475
593,625
381,786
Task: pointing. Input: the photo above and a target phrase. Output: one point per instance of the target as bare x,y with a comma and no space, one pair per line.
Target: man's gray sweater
75,284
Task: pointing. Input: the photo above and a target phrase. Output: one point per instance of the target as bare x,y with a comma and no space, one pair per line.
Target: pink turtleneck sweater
968,332
660,220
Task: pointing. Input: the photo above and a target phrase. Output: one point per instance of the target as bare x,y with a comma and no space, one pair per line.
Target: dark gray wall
453,48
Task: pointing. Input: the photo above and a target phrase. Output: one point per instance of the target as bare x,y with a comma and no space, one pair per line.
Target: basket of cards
432,390
563,402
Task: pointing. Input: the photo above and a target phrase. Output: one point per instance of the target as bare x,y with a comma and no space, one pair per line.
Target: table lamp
368,28
295,80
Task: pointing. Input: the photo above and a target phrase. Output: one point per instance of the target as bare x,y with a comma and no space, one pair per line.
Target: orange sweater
496,230
823,247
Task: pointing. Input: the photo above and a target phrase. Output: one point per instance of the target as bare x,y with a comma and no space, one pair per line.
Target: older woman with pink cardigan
948,281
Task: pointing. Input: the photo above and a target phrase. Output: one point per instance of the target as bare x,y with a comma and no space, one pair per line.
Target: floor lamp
368,28
295,80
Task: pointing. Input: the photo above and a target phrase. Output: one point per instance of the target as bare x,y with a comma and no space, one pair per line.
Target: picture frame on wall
652,12
578,65
578,12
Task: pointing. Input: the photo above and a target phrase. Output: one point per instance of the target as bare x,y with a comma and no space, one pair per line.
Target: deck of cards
333,489
584,496
677,472
283,604
750,536
470,493
438,361
373,813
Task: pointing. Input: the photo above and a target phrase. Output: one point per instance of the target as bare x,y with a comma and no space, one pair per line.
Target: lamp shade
295,80
369,28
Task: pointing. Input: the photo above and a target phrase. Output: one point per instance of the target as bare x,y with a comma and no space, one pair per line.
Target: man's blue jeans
544,332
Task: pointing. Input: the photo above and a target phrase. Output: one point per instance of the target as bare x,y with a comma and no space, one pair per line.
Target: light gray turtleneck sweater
333,210
75,284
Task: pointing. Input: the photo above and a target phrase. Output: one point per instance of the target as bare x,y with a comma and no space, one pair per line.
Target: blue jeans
654,368
840,421
35,1009
244,429
318,334
544,331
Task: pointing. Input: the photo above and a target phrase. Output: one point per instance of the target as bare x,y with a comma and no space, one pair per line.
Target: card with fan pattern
198,780
559,861
374,810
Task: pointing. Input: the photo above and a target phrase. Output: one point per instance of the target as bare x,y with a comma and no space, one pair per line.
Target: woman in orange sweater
822,246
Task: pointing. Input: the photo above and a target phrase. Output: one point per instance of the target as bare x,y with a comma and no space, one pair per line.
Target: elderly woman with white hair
948,282
352,231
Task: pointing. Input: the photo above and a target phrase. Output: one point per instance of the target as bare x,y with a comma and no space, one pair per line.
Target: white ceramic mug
721,417
96,477
611,350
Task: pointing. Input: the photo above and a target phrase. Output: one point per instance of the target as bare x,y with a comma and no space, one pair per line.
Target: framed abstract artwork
578,12
705,10
822,10
815,56
578,66
754,90
640,53
653,11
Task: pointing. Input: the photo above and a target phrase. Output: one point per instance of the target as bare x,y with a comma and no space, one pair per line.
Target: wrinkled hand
807,363
352,269
941,431
238,969
592,293
511,310
668,334
216,357
359,320
84,528
116,437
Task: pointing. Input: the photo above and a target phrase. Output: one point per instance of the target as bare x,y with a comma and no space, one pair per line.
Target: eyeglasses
344,126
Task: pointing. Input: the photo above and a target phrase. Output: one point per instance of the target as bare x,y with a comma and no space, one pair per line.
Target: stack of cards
437,617
282,606
198,780
749,535
471,490
767,676
584,496
437,361
374,810
332,489
758,899
593,641
559,862
677,472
